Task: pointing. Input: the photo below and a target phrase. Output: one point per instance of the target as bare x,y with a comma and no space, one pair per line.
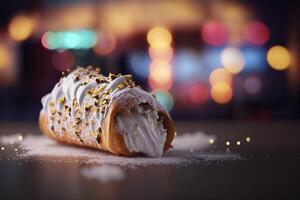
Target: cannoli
109,113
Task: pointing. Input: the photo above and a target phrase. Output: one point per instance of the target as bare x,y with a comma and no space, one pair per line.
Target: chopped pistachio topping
51,103
62,100
98,99
88,107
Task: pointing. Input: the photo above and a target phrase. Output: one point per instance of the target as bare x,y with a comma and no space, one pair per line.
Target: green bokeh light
79,39
164,98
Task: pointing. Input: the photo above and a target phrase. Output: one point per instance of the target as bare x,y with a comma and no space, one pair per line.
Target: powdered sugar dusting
107,167
186,150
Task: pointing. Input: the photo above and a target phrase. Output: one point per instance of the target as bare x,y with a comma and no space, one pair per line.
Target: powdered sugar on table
187,150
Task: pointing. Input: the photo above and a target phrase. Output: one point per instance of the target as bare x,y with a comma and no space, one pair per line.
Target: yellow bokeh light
279,57
160,71
232,60
221,93
159,37
238,143
227,143
220,75
20,27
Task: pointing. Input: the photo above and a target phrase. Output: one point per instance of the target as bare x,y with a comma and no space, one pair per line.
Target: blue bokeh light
255,58
139,64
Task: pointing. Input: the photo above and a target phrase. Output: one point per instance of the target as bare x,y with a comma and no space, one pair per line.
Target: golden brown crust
111,140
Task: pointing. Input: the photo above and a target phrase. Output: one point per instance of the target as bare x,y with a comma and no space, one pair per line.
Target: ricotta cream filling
142,130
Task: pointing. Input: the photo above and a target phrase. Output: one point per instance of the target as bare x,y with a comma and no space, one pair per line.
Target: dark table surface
270,168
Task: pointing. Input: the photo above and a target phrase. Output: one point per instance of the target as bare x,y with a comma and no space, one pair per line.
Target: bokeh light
21,27
159,37
221,93
198,93
164,98
188,67
248,139
257,33
214,33
165,85
106,44
255,58
279,57
63,60
5,57
71,40
77,39
139,64
211,57
220,75
252,85
162,53
232,60
160,71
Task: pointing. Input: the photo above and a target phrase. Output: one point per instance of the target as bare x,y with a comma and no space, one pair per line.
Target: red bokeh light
198,93
106,44
214,33
257,33
44,41
63,60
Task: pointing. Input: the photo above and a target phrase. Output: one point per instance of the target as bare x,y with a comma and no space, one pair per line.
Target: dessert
109,113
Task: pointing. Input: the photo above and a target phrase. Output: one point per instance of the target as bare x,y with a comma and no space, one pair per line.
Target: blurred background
203,59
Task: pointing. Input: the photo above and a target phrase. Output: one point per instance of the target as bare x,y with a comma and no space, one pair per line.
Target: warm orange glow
70,17
163,53
221,93
160,86
232,60
279,57
21,27
5,57
160,76
159,37
220,75
160,71
235,17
